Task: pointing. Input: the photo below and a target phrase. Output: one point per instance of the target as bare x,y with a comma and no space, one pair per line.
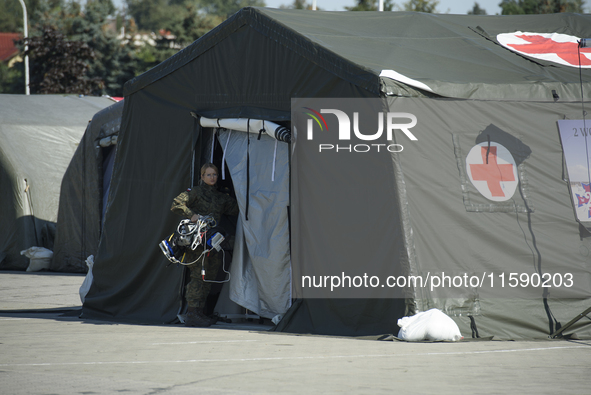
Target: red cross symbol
492,172
538,44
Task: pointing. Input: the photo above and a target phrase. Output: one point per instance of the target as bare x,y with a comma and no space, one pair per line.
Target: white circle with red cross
492,170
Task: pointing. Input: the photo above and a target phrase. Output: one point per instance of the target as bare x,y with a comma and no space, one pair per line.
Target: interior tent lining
261,267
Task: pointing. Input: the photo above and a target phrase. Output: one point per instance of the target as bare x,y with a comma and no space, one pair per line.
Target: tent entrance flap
261,267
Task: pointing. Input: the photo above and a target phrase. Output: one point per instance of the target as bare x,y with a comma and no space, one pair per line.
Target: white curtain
261,267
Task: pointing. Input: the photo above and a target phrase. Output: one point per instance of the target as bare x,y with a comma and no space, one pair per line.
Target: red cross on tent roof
564,50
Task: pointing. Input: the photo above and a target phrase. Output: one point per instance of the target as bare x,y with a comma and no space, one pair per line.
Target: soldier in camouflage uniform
204,199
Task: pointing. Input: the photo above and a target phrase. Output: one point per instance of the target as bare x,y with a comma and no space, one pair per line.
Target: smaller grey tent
38,136
84,192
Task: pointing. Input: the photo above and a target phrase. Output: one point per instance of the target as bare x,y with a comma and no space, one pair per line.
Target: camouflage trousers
197,290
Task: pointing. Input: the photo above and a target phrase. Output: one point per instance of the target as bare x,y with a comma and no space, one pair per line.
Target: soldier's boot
196,318
212,320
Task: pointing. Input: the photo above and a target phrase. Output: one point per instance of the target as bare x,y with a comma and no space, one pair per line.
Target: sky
444,6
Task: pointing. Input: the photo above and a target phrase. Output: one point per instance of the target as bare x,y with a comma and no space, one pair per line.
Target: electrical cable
191,235
223,268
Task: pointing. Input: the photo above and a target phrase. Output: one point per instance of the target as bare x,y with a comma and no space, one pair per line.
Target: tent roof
44,126
453,55
50,110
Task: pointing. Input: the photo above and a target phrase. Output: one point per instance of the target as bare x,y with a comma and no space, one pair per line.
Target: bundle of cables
188,237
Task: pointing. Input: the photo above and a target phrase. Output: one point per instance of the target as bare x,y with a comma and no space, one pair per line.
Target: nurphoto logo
355,130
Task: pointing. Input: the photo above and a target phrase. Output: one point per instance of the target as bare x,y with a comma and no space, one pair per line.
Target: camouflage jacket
204,200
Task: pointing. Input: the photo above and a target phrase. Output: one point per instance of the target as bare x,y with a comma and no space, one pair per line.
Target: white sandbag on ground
432,325
39,258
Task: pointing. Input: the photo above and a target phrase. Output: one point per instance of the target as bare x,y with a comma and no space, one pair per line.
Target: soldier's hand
195,217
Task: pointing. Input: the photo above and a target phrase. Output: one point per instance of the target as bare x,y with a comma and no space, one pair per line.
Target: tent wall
131,280
344,317
38,137
417,213
533,232
81,195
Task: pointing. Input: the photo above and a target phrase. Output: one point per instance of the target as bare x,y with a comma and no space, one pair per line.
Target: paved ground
46,349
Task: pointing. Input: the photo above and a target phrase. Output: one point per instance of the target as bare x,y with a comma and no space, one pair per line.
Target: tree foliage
11,16
152,15
226,7
71,50
113,63
185,21
11,79
516,7
11,13
192,25
370,5
59,65
82,52
300,5
429,6
476,10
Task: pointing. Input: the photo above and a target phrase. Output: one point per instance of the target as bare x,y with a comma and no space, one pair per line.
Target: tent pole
570,323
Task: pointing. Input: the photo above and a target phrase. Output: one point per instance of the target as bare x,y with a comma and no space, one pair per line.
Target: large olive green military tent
471,97
38,136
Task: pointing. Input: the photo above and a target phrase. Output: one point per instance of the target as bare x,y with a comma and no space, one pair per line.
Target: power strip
215,241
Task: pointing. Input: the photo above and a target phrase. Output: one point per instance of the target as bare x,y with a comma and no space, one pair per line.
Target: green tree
192,25
429,6
153,15
300,5
476,10
516,7
370,5
227,7
12,79
11,12
113,63
11,16
74,50
59,65
185,22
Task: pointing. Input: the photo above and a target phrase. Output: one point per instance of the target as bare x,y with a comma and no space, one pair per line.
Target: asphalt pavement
45,348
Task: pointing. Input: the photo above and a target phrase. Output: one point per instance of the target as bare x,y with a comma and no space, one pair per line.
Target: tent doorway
254,169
